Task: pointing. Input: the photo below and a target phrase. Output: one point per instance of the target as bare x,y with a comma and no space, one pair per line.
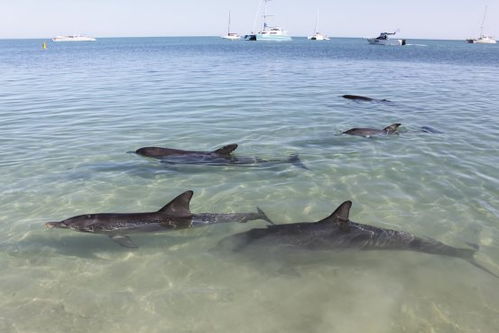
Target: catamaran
483,39
231,35
268,33
73,38
383,39
317,35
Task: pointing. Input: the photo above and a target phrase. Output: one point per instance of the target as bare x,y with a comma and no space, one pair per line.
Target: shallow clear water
70,114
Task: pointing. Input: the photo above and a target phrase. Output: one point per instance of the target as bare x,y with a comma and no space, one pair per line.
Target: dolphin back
358,98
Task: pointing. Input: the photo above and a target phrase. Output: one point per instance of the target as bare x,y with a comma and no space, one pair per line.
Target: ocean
71,114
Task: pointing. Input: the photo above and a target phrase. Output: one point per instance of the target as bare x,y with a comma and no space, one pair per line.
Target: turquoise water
70,114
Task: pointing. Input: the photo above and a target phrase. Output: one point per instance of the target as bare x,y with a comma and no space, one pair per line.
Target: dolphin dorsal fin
340,215
178,206
392,128
226,150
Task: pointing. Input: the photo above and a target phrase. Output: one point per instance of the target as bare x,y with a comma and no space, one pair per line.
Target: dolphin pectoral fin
178,206
124,241
340,215
226,150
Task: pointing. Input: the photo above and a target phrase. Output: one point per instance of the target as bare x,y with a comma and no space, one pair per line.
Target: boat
317,35
231,35
268,33
73,38
383,39
483,39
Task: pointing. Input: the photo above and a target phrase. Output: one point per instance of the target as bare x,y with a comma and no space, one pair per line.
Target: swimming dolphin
221,156
174,215
338,232
392,129
364,98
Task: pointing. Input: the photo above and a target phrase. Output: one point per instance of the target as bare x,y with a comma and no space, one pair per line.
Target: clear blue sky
443,19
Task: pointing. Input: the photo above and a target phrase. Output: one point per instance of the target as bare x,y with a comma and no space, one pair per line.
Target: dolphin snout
141,151
51,225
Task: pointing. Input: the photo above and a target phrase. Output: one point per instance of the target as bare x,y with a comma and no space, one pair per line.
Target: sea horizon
221,33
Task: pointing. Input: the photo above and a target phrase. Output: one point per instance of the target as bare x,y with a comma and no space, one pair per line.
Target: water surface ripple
70,114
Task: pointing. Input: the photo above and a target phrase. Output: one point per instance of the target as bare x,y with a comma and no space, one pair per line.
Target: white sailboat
483,39
73,38
268,33
231,35
317,35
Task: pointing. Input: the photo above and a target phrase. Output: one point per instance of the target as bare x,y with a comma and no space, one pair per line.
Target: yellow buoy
44,46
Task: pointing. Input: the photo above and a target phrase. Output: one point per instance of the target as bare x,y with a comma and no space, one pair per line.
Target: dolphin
175,215
392,129
337,232
364,98
218,157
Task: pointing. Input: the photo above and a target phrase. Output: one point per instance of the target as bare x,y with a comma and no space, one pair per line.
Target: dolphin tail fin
468,255
226,150
392,128
483,268
178,206
263,216
295,160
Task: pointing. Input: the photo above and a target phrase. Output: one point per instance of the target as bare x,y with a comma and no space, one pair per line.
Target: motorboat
483,39
73,38
268,33
230,35
383,39
317,35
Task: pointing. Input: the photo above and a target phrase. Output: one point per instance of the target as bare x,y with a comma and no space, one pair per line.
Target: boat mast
316,22
265,25
228,27
483,21
256,16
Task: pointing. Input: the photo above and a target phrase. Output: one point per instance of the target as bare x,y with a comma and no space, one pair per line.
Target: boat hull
267,37
231,37
318,37
391,42
485,40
